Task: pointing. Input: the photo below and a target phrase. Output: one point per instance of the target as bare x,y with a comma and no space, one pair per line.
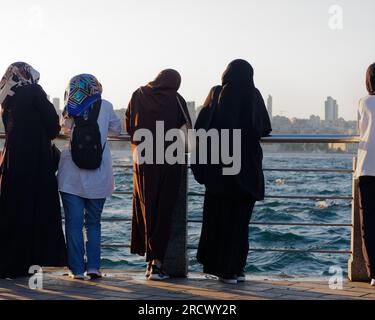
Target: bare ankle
157,263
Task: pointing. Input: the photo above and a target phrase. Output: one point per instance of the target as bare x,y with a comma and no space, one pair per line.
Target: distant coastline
267,148
317,148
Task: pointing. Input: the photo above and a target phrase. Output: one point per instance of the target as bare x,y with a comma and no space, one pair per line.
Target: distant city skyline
331,108
298,56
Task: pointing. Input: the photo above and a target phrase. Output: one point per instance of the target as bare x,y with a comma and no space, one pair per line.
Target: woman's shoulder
139,91
368,102
107,106
216,88
35,89
368,98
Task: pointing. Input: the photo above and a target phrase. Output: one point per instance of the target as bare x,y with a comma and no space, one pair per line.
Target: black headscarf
240,73
238,105
241,104
370,79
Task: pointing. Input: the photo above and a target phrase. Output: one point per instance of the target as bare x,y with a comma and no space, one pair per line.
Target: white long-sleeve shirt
366,151
90,184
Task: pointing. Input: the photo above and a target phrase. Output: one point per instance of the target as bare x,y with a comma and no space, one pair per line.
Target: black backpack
86,145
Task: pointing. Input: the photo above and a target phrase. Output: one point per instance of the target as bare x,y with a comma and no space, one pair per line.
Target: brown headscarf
157,101
168,79
370,79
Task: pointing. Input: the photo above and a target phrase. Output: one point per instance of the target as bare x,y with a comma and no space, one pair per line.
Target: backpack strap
94,115
94,112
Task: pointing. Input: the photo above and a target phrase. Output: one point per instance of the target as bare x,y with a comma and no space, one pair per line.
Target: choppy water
289,211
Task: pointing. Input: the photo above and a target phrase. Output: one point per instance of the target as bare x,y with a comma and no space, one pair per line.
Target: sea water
271,210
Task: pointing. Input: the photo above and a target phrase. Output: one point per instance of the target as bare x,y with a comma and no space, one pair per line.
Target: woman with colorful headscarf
156,186
84,191
230,199
30,217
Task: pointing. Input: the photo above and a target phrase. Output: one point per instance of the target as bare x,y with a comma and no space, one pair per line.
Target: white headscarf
17,75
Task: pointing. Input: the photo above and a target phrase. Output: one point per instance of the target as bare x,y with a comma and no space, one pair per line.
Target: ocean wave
265,236
270,210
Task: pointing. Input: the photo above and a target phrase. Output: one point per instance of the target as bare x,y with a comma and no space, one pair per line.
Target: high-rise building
270,106
192,111
331,109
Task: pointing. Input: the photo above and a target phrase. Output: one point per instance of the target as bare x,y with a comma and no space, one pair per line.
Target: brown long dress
156,186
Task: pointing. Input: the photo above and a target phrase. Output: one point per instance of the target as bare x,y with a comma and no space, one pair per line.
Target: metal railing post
176,259
356,266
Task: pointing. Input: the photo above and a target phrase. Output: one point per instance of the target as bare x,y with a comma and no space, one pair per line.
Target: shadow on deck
124,285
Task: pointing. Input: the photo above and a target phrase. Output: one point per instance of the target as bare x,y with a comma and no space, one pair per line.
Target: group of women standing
30,221
229,200
31,232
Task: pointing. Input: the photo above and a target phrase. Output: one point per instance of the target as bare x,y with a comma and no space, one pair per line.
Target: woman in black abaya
230,200
30,218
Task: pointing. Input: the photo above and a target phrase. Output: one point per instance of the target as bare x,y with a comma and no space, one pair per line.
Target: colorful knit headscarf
83,90
17,75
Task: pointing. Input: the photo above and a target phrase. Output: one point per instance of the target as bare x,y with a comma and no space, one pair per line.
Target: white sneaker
373,282
77,276
94,274
229,281
241,277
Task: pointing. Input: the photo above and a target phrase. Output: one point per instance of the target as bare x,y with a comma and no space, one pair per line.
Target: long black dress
30,216
229,200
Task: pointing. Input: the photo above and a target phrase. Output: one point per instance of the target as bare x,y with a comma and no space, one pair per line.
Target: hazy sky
297,57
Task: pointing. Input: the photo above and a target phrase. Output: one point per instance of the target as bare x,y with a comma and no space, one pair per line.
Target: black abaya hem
224,243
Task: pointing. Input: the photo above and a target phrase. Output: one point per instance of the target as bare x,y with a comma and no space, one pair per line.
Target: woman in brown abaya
156,186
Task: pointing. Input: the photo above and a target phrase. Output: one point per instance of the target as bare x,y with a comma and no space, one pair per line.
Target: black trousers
367,213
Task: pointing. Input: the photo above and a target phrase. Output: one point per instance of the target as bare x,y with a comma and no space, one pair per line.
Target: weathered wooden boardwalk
124,285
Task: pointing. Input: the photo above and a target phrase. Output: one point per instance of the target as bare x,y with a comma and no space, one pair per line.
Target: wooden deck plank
131,285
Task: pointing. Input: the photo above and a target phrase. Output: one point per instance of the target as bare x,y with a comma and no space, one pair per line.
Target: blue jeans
77,211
